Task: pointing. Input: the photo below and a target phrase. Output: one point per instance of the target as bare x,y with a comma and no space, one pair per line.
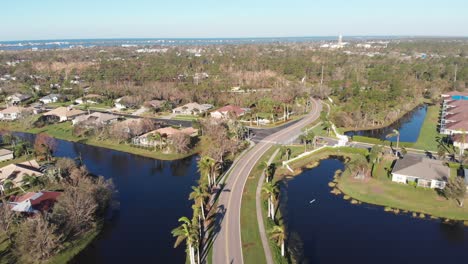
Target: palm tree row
192,231
272,190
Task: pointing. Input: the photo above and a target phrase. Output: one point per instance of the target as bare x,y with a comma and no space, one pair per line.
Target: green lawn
428,135
185,117
382,191
322,132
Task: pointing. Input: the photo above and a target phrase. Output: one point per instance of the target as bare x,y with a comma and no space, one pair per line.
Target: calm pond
409,126
152,196
332,230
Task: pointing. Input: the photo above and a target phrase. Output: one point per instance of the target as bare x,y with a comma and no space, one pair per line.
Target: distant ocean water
88,43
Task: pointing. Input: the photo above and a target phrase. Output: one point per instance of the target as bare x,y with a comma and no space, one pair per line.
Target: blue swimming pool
459,97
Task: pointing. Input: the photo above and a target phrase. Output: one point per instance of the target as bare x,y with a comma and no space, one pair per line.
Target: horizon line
246,37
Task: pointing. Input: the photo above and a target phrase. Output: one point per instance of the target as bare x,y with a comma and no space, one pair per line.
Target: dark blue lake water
331,230
152,196
409,126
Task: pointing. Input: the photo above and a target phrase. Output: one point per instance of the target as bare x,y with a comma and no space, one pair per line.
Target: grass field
428,135
382,191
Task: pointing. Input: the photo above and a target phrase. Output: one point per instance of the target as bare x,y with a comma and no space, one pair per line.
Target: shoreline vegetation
388,123
63,131
428,135
379,190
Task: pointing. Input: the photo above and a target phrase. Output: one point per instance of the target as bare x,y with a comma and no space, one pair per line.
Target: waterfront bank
380,190
63,131
318,230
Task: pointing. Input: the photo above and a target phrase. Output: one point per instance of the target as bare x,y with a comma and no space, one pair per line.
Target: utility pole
455,77
321,80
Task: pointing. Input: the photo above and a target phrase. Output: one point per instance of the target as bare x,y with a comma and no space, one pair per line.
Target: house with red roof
227,110
34,202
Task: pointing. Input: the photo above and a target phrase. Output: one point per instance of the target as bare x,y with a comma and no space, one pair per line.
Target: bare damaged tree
7,219
37,239
181,142
45,145
85,199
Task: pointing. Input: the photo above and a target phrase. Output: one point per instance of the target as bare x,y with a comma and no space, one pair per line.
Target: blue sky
63,19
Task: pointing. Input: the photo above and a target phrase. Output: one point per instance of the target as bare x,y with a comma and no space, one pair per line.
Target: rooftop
420,167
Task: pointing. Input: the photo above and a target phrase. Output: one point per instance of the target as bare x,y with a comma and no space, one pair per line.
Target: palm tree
358,166
441,152
272,190
303,139
187,232
282,151
278,233
327,126
393,134
288,153
264,166
199,195
207,166
153,137
32,181
7,185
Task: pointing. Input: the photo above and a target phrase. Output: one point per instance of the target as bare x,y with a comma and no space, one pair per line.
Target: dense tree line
368,91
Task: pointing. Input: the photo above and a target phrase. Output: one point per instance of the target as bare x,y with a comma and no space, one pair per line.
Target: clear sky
66,19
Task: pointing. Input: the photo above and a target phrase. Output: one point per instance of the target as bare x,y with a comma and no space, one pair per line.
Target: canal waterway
409,127
151,196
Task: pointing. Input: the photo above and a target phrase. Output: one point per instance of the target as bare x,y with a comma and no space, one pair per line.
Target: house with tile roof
192,109
226,111
15,173
33,202
423,172
65,113
11,113
6,154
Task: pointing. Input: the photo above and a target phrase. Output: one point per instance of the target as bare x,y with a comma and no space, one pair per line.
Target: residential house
17,98
454,116
6,154
423,172
33,202
11,113
119,104
192,109
37,108
226,111
155,104
166,132
16,172
65,113
95,119
460,141
89,99
51,98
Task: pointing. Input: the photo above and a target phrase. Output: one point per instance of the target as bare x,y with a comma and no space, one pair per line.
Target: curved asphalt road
227,247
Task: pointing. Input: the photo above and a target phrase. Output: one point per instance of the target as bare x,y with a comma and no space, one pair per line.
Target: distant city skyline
54,19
